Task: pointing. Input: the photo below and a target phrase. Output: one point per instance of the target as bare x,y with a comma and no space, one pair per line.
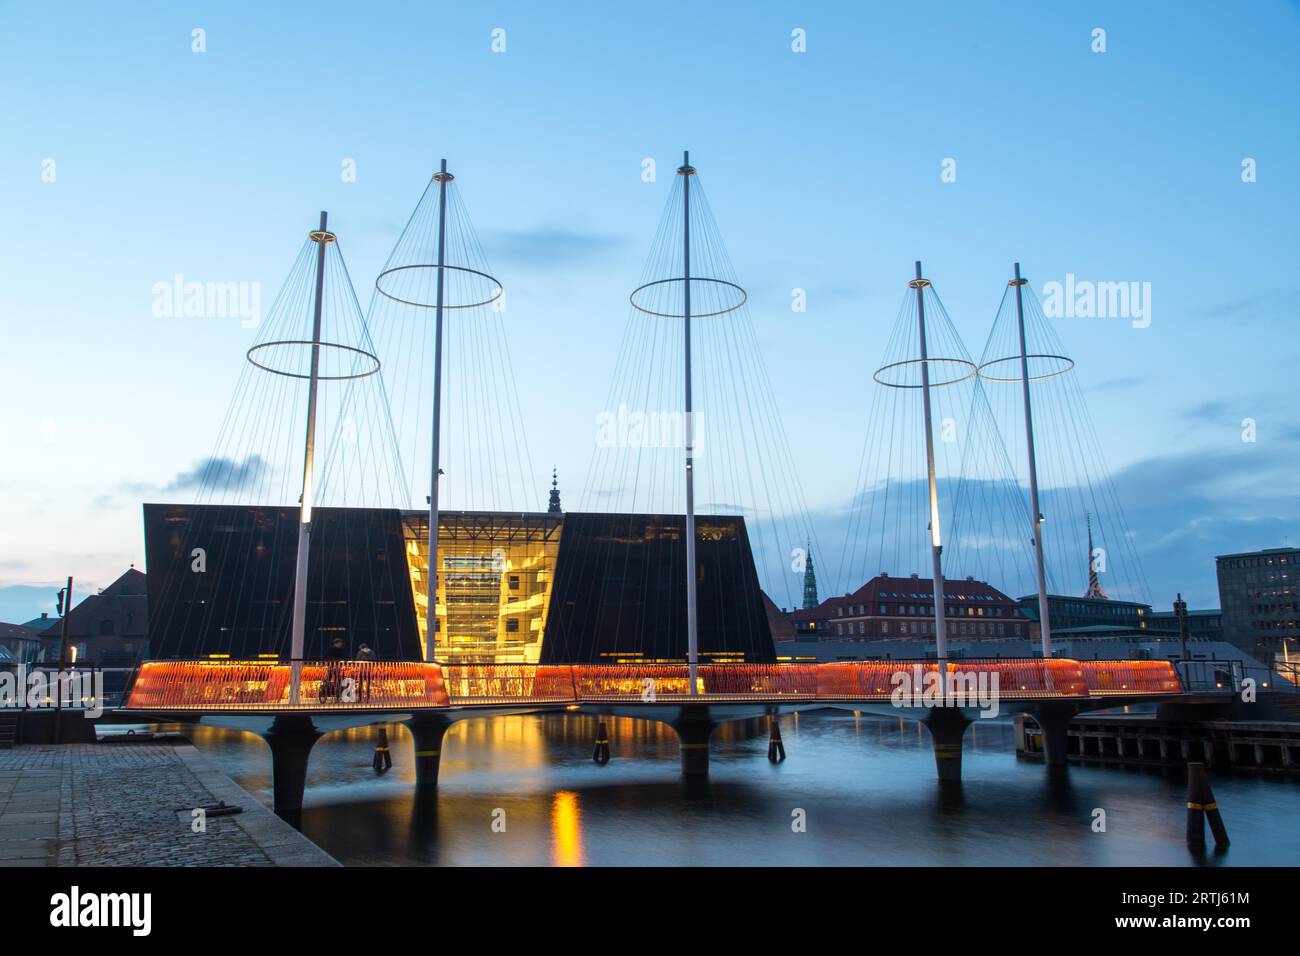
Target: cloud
546,246
1114,384
224,474
20,603
1181,510
1212,411
208,474
1268,304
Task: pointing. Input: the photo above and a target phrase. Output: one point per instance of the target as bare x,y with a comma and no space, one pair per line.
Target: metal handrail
264,685
1123,677
221,685
110,697
1230,675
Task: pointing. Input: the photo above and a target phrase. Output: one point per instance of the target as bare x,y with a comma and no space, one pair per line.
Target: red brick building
886,608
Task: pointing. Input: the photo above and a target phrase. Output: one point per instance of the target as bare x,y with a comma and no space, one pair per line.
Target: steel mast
1044,622
298,635
442,177
692,625
936,540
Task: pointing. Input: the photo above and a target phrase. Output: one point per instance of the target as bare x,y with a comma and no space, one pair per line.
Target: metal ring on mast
930,362
496,284
1065,365
891,375
744,297
324,345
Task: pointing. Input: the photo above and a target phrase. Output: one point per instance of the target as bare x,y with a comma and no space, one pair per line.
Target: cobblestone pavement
130,805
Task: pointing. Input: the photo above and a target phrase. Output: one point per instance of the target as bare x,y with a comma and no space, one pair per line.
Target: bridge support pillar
1054,722
427,732
694,728
947,726
290,737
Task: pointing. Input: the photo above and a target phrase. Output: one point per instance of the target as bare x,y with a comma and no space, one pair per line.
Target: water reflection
566,829
866,784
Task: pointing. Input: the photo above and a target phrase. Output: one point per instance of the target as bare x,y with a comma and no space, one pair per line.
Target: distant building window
512,625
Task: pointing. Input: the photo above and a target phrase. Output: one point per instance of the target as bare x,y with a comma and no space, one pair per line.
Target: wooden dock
1255,746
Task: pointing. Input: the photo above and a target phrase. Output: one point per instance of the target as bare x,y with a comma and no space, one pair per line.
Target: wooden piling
383,760
601,753
775,746
1201,806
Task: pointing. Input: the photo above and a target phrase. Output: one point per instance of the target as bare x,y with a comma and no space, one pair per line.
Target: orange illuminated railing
1118,678
399,685
239,685
653,682
508,683
1025,679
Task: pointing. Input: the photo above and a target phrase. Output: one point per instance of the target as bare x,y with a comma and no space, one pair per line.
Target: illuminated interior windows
494,584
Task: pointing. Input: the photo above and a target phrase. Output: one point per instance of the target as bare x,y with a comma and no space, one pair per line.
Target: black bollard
383,760
601,753
775,747
1200,807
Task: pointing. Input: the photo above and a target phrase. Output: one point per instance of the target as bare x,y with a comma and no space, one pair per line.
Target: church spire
554,507
1094,585
809,583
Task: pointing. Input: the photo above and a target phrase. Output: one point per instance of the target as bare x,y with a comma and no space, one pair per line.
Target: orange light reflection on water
566,829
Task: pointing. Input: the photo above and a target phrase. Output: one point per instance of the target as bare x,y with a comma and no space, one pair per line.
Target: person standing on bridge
335,654
367,657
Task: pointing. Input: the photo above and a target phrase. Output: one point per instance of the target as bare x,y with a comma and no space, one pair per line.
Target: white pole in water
298,634
1044,623
936,550
442,178
692,624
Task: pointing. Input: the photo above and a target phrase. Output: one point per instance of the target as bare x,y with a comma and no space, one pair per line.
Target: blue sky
823,171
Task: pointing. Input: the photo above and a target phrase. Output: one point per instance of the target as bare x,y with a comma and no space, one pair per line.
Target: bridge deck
352,686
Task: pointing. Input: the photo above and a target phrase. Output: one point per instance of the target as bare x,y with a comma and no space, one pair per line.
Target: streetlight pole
1180,612
65,608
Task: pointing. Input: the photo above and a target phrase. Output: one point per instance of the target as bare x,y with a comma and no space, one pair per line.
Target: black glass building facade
511,588
620,592
221,579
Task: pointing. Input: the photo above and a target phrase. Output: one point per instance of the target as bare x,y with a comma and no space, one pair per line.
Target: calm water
867,785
